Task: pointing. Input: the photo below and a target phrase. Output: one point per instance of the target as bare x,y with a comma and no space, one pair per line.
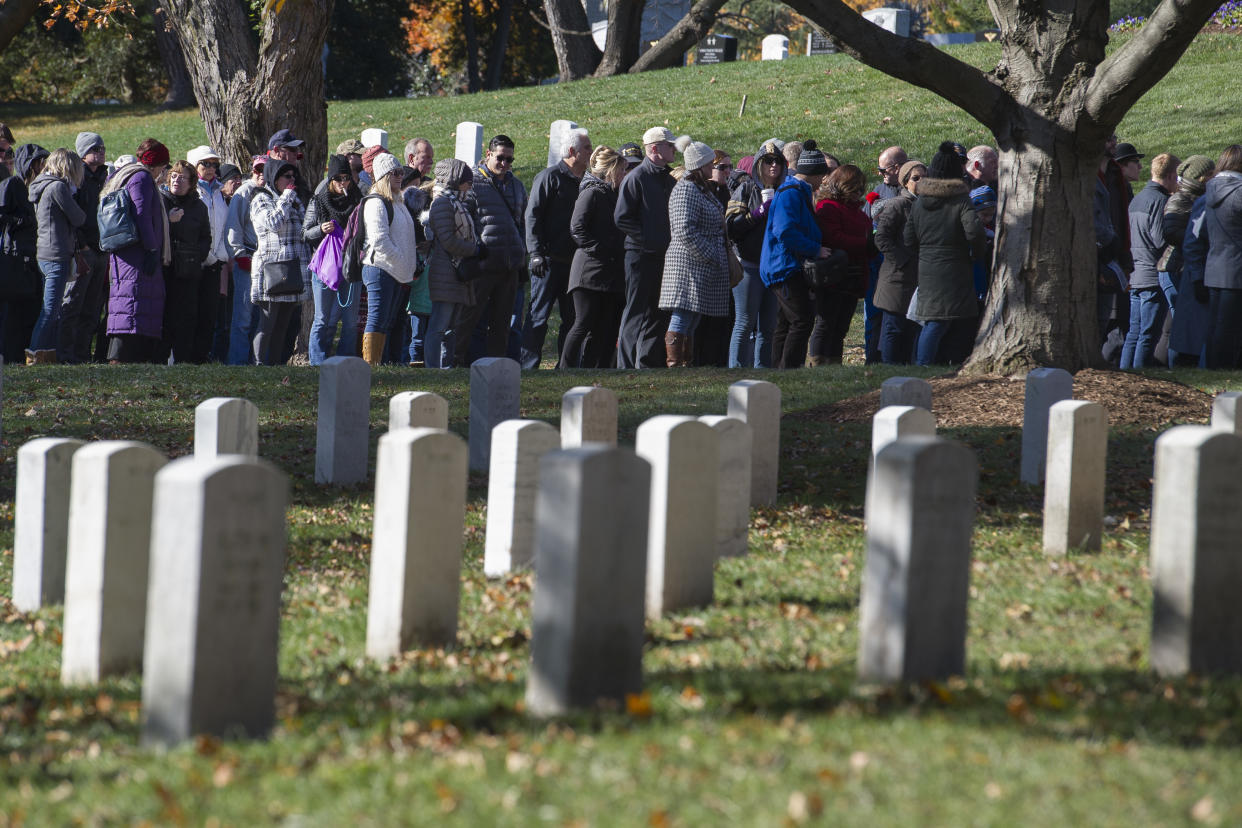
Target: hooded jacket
946,230
899,271
277,220
746,217
598,262
1222,223
18,225
453,237
792,235
59,218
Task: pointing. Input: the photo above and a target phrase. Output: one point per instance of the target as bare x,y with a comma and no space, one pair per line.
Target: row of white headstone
468,141
920,509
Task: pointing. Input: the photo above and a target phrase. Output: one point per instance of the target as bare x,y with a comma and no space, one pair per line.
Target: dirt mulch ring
1131,399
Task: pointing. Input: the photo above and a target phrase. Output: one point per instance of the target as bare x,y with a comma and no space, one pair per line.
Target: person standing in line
189,230
211,192
1222,227
453,241
87,288
328,213
755,306
242,241
277,213
1188,299
843,226
899,271
420,155
548,213
59,218
19,269
1148,306
642,215
390,253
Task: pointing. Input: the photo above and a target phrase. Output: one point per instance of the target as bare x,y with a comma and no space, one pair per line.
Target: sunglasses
285,174
212,164
343,179
722,166
503,159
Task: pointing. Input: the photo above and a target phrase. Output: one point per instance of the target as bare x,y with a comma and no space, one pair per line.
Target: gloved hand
481,253
538,265
1202,294
150,261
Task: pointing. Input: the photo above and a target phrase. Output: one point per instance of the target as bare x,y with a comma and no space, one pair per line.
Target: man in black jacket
81,311
551,206
642,215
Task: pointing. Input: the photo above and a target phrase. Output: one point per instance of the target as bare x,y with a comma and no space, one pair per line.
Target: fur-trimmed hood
936,190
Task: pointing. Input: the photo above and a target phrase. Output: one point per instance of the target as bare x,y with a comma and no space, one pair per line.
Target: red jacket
845,226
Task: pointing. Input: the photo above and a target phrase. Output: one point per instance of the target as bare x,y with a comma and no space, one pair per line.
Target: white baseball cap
657,134
200,154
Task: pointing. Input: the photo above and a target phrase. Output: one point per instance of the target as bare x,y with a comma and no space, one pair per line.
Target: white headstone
894,422
226,425
681,545
213,601
41,523
758,404
342,440
906,391
495,396
1196,571
896,21
916,579
556,137
732,485
417,409
469,143
374,137
517,447
109,552
1044,388
1225,412
1074,486
587,630
588,415
420,513
775,47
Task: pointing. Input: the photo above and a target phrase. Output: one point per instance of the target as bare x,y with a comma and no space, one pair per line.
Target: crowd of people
648,263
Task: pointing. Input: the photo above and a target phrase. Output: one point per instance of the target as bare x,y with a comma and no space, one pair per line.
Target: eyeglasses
503,159
215,165
722,167
889,167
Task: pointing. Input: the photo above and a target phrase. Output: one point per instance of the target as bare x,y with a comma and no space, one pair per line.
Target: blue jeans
439,347
546,291
755,310
245,320
47,329
1169,288
899,338
328,312
381,288
683,321
1147,310
946,341
418,331
872,316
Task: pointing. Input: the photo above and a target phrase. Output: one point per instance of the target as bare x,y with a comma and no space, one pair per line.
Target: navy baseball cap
283,138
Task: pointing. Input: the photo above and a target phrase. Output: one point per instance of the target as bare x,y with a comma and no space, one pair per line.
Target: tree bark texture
500,45
576,52
473,81
689,30
1050,102
180,88
14,15
625,27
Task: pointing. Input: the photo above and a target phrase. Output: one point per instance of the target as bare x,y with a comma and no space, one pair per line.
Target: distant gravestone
417,409
1226,408
342,438
588,415
41,523
109,552
213,601
1074,484
681,544
732,485
512,482
226,425
556,139
819,44
1044,388
469,146
1196,571
917,575
906,391
758,404
896,21
716,49
420,512
587,630
775,47
495,396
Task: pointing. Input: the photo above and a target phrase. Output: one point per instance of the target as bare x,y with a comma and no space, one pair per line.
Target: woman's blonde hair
389,187
66,165
605,161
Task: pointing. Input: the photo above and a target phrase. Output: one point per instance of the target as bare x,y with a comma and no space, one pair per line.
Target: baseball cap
657,134
283,138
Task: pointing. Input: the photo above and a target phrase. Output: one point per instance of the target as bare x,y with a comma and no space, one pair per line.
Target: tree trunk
689,30
180,89
500,45
14,15
625,27
473,83
576,52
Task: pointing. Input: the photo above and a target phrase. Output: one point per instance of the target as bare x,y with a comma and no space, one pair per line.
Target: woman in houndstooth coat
696,266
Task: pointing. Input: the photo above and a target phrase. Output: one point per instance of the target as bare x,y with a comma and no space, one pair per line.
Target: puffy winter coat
59,218
945,228
451,227
792,235
392,246
899,272
135,296
599,262
696,269
1176,217
499,207
1223,225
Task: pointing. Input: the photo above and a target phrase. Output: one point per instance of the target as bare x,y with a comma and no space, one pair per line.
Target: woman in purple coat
135,273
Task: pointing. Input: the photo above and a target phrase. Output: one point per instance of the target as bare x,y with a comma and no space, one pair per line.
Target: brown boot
373,348
675,349
687,353
815,361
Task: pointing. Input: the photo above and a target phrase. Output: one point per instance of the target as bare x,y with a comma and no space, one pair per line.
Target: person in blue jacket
792,236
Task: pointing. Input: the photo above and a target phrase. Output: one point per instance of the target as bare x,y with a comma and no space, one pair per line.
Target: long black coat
599,262
946,230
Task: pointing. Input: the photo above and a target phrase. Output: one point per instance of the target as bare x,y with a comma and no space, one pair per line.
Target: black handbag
832,273
186,263
283,278
469,269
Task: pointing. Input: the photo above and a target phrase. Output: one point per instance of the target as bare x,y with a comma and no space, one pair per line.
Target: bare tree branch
689,30
1128,73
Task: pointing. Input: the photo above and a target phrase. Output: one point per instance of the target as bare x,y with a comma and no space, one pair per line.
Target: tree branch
914,61
688,31
1128,73
14,15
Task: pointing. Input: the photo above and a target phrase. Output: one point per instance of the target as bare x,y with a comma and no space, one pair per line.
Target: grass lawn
753,716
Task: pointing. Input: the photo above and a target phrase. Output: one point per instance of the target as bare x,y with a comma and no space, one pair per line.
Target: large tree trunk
625,27
14,15
500,45
180,88
689,30
576,52
473,82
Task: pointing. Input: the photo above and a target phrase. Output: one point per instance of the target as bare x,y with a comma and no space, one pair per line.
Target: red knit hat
368,157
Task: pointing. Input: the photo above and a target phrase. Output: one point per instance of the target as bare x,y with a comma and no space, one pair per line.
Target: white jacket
218,214
393,248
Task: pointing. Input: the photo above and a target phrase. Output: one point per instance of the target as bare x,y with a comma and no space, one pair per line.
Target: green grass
852,110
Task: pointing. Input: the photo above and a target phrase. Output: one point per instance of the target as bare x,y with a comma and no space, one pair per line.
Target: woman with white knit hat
696,266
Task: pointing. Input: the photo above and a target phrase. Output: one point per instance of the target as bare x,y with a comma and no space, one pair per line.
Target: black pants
711,341
269,340
545,292
793,326
132,348
642,323
833,314
591,342
205,315
85,295
1225,330
492,308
